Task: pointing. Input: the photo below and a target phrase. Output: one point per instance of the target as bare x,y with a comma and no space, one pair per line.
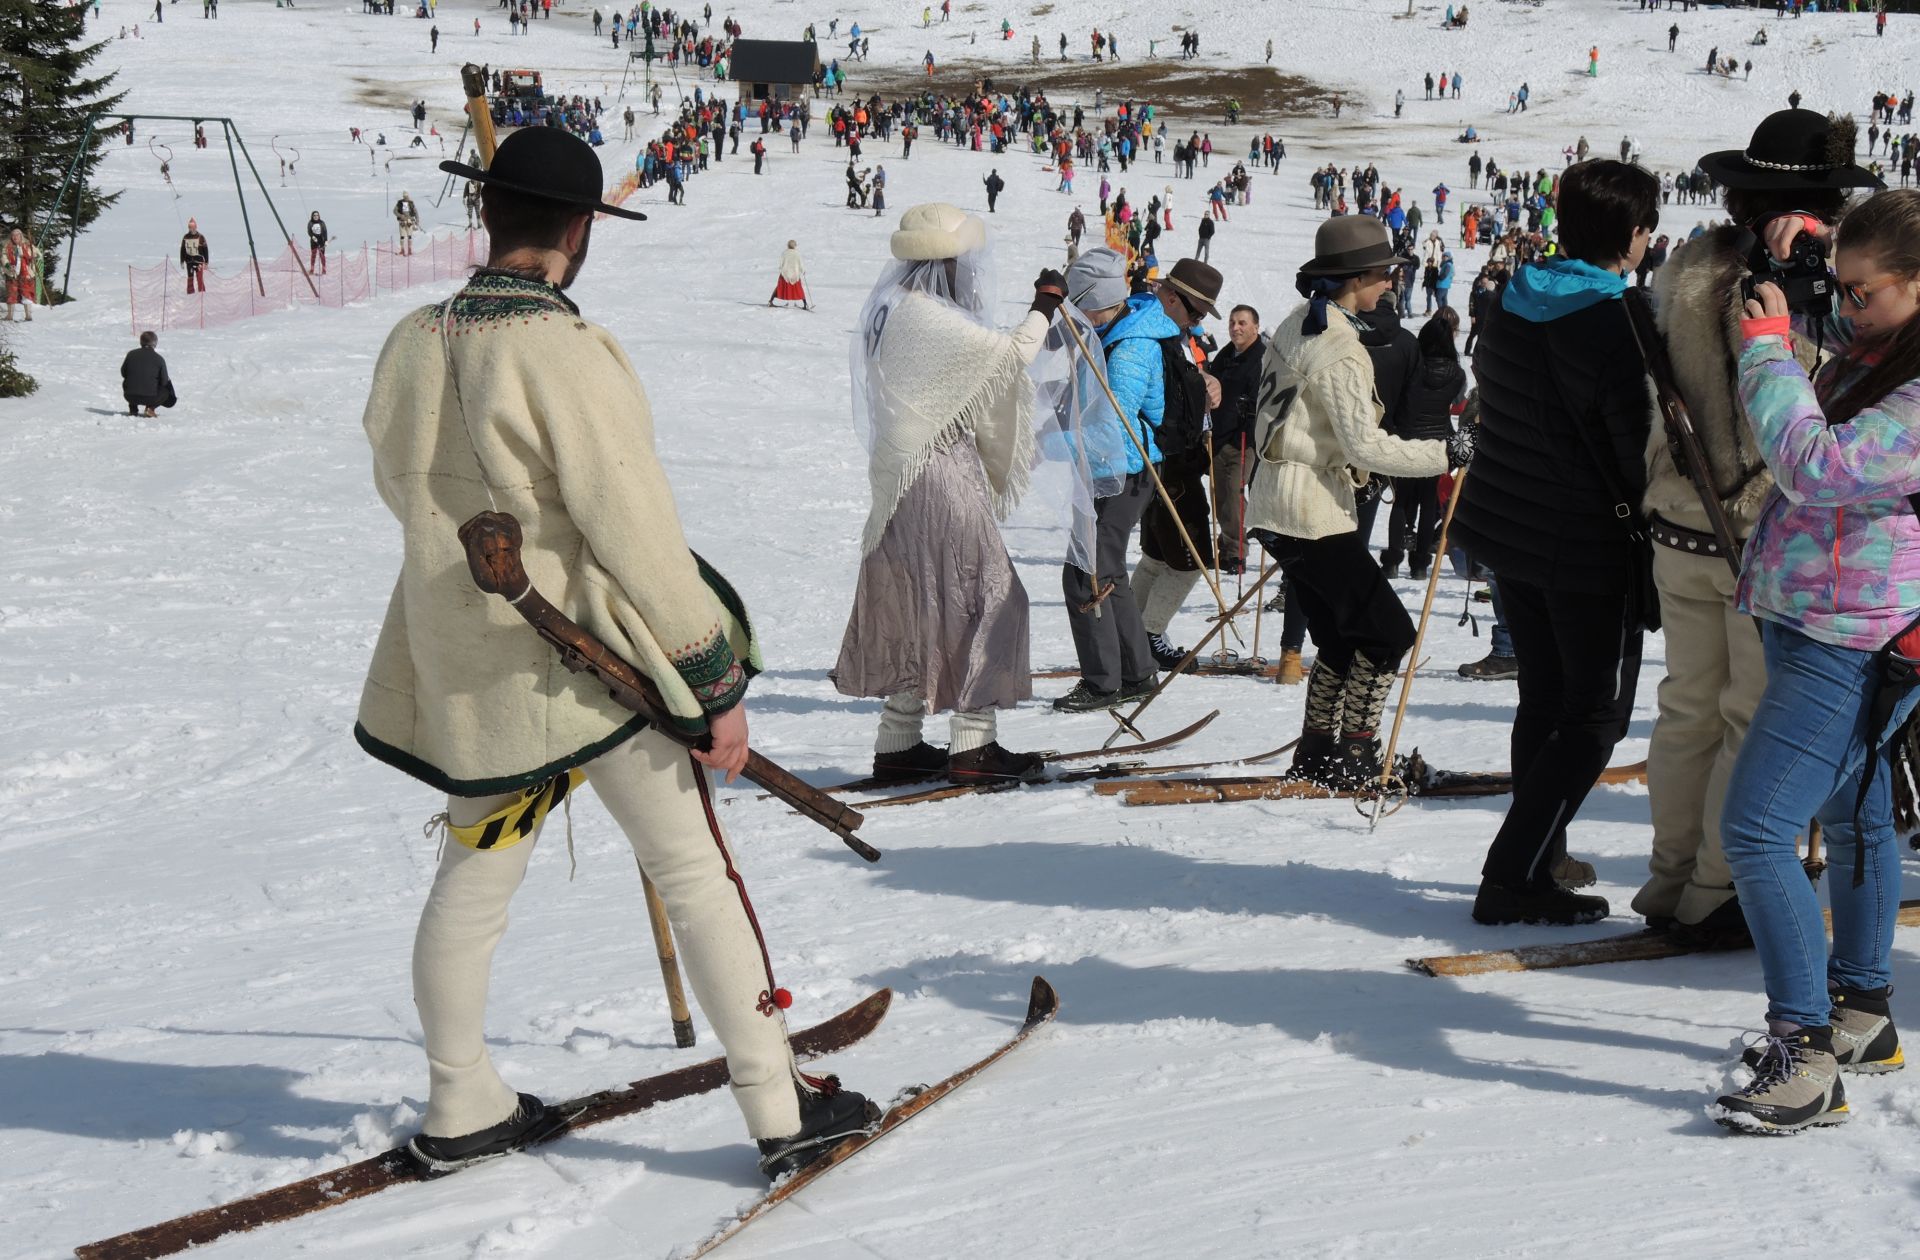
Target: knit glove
1049,290
1461,445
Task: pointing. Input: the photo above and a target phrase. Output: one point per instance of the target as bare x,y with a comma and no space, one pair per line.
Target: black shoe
1278,604
922,761
1085,698
991,763
1418,572
531,1123
1483,596
1498,904
1725,928
826,1116
1315,759
1140,690
1169,657
1357,762
1493,667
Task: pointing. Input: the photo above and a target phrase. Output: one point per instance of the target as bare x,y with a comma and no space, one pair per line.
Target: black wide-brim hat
546,163
1792,149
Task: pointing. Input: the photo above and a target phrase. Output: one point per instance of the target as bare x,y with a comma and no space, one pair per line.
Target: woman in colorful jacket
1833,573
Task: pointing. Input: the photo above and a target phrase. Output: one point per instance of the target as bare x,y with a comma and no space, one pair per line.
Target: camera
1803,277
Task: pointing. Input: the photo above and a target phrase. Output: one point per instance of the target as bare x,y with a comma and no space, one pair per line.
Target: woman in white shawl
792,284
944,400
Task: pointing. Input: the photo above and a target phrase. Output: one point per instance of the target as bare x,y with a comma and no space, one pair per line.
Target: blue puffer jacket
1135,370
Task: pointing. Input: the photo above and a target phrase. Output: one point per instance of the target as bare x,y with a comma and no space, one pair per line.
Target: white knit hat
937,230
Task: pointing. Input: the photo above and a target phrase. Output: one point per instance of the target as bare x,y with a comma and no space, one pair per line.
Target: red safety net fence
159,299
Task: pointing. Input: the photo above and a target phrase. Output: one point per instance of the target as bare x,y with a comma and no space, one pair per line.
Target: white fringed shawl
940,377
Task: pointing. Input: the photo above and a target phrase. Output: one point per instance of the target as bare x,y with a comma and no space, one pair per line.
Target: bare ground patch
1183,86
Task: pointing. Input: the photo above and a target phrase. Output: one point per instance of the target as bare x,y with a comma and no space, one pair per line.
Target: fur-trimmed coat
462,693
1699,311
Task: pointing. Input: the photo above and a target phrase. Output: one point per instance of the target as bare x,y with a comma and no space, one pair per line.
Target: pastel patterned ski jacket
1836,552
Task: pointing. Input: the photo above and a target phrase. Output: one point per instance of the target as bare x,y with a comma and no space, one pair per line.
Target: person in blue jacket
1116,663
1445,283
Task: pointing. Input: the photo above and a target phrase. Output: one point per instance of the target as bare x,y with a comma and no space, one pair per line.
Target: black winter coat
143,377
1436,387
1534,506
1396,361
1239,377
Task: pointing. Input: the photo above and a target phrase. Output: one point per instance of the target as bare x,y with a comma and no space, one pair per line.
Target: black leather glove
1049,290
1375,487
1460,446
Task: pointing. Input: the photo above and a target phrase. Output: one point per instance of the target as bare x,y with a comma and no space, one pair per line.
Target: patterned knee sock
1365,698
1326,694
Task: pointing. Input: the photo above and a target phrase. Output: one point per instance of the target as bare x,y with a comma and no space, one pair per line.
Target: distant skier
791,285
195,256
406,217
316,243
994,184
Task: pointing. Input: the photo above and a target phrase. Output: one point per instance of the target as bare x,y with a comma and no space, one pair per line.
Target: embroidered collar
494,285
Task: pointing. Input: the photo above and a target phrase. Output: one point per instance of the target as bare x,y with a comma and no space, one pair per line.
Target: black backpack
1183,425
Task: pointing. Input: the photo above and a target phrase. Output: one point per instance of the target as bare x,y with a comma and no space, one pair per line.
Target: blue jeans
1502,644
1803,758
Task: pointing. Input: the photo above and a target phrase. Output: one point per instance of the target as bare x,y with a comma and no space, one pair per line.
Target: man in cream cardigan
503,397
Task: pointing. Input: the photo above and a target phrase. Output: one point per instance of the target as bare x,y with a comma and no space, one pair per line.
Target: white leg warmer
900,721
970,730
1170,591
1146,576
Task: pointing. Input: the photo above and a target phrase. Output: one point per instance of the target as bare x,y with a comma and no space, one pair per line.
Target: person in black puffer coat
1396,362
1563,386
1439,385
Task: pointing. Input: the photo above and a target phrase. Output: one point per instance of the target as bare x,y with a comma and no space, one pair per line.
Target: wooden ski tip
1042,1003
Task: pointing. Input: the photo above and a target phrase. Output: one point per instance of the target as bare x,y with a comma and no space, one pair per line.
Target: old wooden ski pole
1219,600
669,964
1126,723
1413,657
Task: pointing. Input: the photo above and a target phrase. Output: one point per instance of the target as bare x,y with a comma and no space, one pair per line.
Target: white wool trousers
661,799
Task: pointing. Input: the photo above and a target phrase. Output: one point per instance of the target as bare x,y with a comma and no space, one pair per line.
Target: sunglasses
1858,295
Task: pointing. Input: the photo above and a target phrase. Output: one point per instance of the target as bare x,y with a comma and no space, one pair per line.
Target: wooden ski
396,1167
1085,754
1042,1005
1212,791
1628,947
1112,770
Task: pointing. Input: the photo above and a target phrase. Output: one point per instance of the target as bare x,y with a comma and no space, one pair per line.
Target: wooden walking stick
1126,723
1166,499
1814,865
669,964
1413,657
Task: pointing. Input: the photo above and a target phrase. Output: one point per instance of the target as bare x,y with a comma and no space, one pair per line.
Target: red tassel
782,999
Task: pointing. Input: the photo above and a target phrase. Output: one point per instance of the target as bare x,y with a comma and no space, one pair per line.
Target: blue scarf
1318,291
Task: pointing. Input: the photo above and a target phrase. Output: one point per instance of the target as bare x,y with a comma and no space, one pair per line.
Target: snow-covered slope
209,892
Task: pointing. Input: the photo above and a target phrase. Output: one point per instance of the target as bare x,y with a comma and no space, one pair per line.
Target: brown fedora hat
1196,282
1349,244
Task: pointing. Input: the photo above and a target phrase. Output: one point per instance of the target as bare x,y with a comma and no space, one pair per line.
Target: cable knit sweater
1317,431
462,693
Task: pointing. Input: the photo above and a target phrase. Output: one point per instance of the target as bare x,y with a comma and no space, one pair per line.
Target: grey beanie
1097,279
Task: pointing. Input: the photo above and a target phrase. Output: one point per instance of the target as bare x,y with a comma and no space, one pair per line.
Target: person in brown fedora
1798,162
1318,438
1168,571
505,397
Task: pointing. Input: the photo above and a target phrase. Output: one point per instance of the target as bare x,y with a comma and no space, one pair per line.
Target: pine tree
45,98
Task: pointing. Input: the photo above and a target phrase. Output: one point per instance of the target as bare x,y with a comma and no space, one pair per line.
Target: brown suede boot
1292,673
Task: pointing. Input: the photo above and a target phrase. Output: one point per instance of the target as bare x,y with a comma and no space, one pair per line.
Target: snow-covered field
209,892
